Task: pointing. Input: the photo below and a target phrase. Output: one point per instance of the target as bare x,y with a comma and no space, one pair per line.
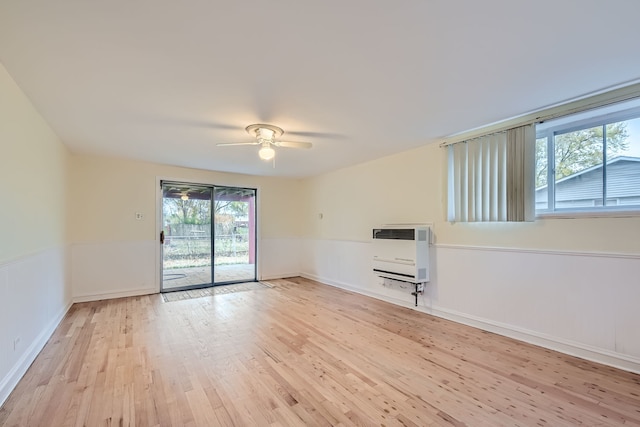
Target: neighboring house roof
623,180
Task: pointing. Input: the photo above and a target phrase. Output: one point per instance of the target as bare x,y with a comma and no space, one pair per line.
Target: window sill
627,213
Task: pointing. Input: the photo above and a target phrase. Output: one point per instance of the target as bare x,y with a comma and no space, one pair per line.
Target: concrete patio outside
175,278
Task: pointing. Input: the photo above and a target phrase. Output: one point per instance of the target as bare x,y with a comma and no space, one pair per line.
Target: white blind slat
493,181
502,180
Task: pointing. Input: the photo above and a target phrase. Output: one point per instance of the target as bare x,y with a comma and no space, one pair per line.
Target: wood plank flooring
302,353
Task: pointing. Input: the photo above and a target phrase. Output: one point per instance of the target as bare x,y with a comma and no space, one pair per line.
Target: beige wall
398,188
115,255
35,290
33,165
107,192
411,187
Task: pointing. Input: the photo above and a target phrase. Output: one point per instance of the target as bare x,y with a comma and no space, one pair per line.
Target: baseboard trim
593,354
113,295
279,276
10,381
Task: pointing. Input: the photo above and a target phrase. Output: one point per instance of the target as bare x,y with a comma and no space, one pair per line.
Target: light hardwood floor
302,353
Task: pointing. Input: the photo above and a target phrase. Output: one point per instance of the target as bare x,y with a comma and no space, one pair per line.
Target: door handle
162,237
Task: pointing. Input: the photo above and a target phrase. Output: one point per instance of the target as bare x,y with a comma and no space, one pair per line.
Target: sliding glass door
208,236
234,234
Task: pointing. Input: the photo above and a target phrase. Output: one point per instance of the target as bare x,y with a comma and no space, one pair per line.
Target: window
589,161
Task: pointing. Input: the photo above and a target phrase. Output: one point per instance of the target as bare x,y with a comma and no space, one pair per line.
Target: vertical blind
491,178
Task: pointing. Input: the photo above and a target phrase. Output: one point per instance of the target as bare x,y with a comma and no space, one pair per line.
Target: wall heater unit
402,253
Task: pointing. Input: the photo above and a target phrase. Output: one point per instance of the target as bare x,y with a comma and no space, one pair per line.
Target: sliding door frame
159,224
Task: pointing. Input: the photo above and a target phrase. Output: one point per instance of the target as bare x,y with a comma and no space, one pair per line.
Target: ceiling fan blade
325,135
222,144
292,144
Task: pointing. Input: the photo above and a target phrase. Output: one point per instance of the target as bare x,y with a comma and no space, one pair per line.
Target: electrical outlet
139,216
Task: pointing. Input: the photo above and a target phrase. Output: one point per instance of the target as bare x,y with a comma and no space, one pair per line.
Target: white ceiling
165,80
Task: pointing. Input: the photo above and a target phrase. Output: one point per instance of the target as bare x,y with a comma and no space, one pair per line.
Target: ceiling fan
266,136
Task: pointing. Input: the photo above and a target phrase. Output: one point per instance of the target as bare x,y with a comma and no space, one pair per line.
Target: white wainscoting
113,269
278,258
34,297
119,269
582,304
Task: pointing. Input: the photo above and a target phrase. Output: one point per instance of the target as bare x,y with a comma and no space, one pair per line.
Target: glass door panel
186,250
234,235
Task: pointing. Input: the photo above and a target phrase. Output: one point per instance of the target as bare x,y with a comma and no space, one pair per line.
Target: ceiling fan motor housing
265,132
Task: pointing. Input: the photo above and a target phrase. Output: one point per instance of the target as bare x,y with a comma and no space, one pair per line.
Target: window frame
567,126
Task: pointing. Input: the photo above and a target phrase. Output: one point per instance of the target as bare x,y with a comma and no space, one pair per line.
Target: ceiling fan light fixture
266,153
267,138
